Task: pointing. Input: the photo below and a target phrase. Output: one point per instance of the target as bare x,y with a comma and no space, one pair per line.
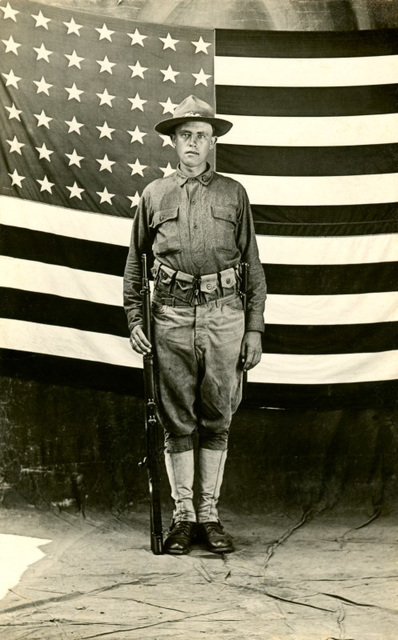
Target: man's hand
139,341
251,350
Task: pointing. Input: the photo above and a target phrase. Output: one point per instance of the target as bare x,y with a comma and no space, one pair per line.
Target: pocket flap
208,283
228,278
159,217
225,213
184,280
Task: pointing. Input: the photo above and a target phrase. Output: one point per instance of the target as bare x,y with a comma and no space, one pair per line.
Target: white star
201,77
167,171
41,21
42,53
169,43
137,69
74,92
137,135
11,79
105,98
42,119
105,33
137,167
105,131
166,140
137,38
9,12
74,125
169,74
44,152
15,145
73,27
16,178
75,191
74,59
105,196
106,65
201,45
168,106
137,103
42,86
14,112
134,199
11,45
45,185
74,158
105,163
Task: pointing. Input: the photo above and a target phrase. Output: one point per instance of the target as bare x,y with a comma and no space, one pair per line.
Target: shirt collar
205,178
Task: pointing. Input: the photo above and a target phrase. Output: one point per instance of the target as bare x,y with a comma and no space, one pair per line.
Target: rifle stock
151,460
243,293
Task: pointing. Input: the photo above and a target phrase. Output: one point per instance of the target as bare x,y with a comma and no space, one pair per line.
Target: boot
211,472
180,471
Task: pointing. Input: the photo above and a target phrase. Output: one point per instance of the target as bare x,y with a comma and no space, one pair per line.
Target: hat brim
221,127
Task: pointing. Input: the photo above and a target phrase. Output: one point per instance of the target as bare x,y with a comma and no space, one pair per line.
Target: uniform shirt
198,225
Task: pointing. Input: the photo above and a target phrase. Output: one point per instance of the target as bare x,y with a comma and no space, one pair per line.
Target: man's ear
213,142
173,139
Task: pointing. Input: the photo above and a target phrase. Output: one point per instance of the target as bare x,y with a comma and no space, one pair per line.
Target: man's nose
193,141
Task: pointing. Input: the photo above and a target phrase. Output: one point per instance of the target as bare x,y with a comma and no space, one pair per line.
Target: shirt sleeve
256,284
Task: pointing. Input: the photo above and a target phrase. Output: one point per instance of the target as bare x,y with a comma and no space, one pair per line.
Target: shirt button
193,201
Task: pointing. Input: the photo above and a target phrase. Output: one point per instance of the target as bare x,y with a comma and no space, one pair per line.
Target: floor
292,577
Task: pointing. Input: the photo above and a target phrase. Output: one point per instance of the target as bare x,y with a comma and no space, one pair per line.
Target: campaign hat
192,108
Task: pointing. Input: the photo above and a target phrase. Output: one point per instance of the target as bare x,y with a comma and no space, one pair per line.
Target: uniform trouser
199,373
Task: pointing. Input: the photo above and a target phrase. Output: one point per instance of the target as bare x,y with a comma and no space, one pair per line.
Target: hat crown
194,107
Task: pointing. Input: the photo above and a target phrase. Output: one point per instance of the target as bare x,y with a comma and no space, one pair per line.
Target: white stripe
67,343
359,308
71,223
16,554
312,132
323,190
325,369
61,281
326,250
305,72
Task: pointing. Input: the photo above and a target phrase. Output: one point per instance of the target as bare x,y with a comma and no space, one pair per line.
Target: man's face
193,141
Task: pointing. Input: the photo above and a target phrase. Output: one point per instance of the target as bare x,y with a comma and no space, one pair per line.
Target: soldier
197,227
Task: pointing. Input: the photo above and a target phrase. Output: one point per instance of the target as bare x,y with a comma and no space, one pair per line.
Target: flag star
42,53
137,69
201,77
167,171
201,45
169,42
9,12
137,38
73,27
16,178
41,21
105,163
106,65
134,199
14,112
11,79
166,140
168,106
45,185
105,98
42,119
137,167
74,92
15,145
105,33
74,158
105,131
42,86
74,125
105,196
11,45
169,74
137,103
44,152
137,135
75,191
74,59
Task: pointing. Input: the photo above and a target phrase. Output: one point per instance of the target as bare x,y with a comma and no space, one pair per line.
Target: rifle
151,461
243,292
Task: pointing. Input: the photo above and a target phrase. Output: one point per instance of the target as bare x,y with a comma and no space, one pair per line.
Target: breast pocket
225,221
167,236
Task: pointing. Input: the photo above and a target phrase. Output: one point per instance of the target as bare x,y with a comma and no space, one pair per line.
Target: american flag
314,142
